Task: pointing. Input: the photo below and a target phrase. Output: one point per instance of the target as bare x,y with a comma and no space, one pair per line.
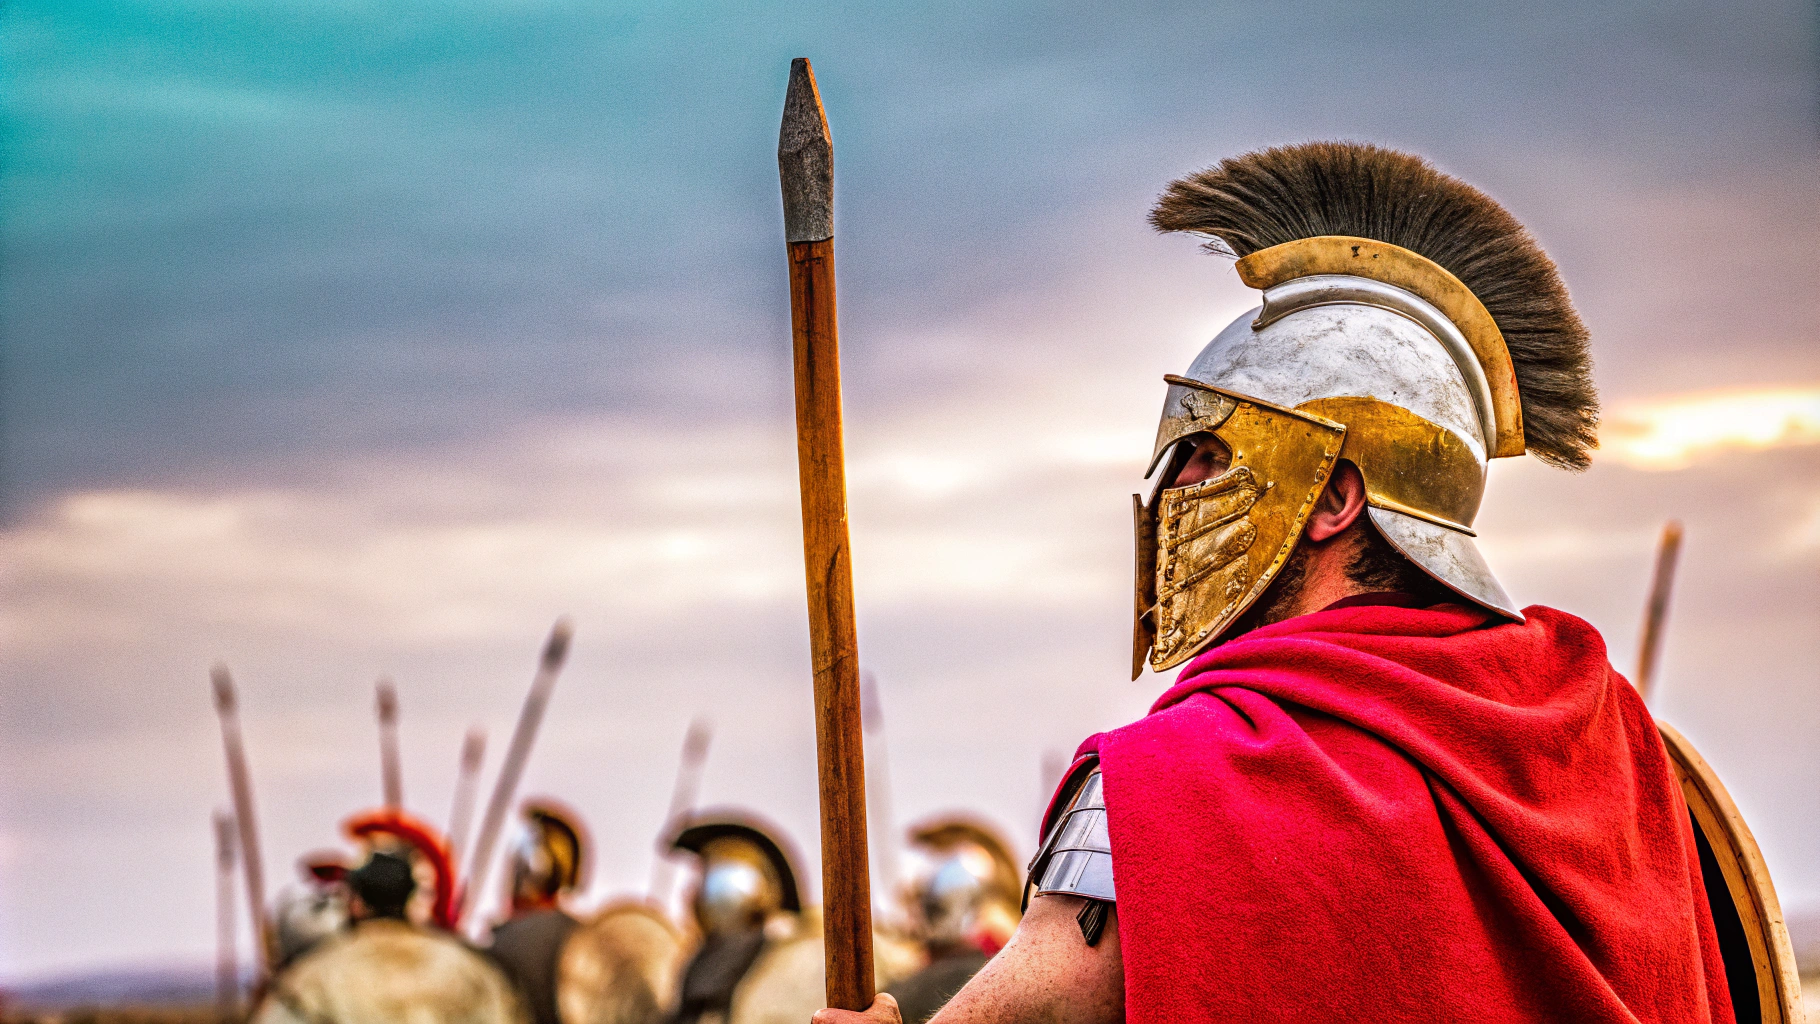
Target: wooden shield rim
1746,878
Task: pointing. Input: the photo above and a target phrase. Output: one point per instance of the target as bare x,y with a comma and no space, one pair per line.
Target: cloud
1670,433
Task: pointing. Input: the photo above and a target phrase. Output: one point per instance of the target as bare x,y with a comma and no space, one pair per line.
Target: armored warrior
1377,790
964,900
549,857
761,956
385,968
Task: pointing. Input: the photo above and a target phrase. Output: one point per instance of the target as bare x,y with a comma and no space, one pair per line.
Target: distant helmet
746,875
548,854
1410,326
965,886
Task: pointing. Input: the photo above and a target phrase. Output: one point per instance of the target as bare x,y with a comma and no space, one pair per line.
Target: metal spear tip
223,685
473,747
805,159
556,649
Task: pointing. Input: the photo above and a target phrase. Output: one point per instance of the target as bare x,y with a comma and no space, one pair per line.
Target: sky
340,340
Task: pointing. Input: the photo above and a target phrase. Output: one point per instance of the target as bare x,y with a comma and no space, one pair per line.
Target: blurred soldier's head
964,886
424,853
381,888
549,856
746,876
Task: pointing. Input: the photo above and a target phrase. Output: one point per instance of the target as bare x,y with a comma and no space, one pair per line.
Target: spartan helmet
1410,326
966,887
548,855
746,876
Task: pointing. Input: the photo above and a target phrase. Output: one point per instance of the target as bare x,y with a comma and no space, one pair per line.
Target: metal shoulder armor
1076,855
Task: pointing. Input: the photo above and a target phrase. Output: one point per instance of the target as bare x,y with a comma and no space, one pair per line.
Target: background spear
391,775
555,652
805,161
240,783
1661,586
467,787
682,800
227,960
883,824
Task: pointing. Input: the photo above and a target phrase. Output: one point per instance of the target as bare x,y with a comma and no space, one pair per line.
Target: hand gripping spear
805,163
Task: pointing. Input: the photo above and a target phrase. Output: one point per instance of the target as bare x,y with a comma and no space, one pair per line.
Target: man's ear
1340,505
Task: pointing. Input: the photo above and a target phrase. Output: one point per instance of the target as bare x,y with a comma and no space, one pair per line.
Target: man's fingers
882,1011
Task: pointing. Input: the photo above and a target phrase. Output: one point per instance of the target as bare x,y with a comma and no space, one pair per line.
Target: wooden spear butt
805,160
828,572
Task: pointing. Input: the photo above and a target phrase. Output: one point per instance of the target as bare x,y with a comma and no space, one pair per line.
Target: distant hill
139,986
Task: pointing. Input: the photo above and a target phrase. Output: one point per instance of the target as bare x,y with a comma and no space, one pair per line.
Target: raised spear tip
556,650
805,160
388,701
223,685
473,747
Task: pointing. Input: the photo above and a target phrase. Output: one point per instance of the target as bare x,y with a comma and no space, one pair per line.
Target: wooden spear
1661,585
682,800
241,784
227,960
467,787
555,652
390,774
805,161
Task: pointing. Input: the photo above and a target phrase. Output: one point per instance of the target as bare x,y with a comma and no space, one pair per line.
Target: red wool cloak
1383,813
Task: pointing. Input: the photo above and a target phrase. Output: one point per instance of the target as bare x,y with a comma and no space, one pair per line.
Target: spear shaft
682,799
555,652
1655,616
241,784
391,775
467,786
805,160
878,785
227,961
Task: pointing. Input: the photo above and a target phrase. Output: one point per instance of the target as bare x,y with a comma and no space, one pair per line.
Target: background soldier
386,969
1379,790
747,883
549,857
964,899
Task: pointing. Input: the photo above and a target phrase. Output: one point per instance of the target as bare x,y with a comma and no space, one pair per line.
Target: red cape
1381,813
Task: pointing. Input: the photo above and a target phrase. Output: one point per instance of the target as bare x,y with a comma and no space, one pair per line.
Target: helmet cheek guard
1336,365
1218,543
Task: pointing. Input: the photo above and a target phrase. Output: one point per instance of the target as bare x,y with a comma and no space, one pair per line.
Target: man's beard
1278,600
